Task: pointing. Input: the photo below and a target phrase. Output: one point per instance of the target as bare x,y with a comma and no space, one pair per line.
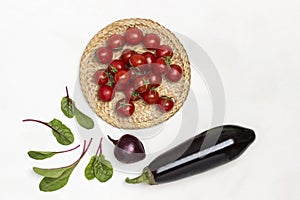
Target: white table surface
254,44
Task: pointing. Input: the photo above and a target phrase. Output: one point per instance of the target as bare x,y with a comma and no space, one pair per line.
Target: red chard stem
41,122
99,147
68,149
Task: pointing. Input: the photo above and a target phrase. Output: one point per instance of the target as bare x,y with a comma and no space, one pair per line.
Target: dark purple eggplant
205,151
128,149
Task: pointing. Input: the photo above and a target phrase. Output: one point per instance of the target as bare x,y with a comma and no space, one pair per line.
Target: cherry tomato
124,108
155,80
126,54
131,93
106,93
141,84
104,55
122,77
149,57
115,42
100,77
115,66
160,67
174,74
150,96
165,104
137,60
151,41
164,51
133,36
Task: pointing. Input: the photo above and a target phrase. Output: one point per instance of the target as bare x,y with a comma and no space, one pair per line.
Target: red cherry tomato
174,74
165,104
164,51
104,55
155,80
150,96
126,54
115,66
151,41
141,84
106,93
133,36
122,77
137,60
125,108
149,57
115,42
131,93
100,77
160,67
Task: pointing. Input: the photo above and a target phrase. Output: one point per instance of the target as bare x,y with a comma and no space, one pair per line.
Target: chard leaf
52,172
103,169
68,107
40,155
61,132
83,120
89,170
49,184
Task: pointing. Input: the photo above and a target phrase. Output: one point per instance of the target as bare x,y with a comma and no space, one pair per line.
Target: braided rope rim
144,115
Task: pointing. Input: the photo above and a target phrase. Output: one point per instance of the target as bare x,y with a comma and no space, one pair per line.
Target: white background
254,44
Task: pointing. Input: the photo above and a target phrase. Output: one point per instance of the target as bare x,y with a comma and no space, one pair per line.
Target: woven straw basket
144,115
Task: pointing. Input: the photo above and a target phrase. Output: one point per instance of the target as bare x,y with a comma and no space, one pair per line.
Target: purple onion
128,149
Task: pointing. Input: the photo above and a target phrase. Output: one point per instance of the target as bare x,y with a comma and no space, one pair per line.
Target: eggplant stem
140,179
146,177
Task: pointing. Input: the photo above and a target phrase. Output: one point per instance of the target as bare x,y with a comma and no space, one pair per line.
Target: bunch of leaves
56,178
99,167
70,110
60,131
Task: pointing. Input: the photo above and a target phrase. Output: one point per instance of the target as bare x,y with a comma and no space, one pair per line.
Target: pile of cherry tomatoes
135,74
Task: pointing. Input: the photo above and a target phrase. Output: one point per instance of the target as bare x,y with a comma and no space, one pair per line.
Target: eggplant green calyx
146,177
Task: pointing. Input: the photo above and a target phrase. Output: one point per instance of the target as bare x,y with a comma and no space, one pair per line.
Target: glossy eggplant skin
205,151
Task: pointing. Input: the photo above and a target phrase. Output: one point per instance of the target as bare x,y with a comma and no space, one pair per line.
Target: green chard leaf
68,107
51,172
40,155
61,132
56,178
99,167
49,184
103,169
89,170
83,120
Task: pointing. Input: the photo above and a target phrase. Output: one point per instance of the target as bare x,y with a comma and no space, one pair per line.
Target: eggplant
205,151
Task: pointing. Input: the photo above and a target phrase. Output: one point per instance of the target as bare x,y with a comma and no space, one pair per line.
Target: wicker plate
144,115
